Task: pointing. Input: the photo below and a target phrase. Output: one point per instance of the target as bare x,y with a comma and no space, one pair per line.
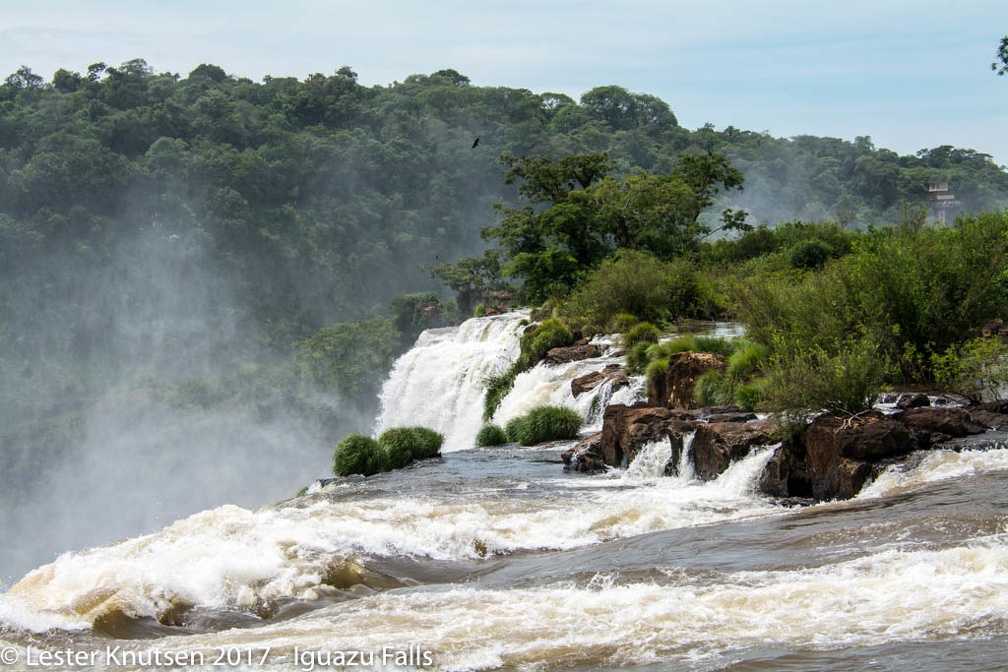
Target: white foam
439,383
878,599
935,466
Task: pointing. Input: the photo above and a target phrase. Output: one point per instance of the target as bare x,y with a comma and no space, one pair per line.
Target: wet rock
678,431
572,353
585,456
937,425
717,444
675,388
612,374
626,429
587,382
914,400
841,451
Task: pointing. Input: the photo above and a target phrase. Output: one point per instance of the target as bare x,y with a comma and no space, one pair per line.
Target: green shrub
491,435
637,357
536,342
642,332
358,454
394,449
497,387
636,283
810,254
746,360
398,444
426,443
978,369
545,423
749,397
622,322
713,388
811,378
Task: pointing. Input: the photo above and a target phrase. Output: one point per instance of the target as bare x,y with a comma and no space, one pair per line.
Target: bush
394,449
545,423
976,370
642,332
811,378
491,435
497,387
636,283
637,357
426,443
536,342
358,454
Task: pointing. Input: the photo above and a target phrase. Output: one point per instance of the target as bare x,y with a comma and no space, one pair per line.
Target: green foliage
491,435
394,449
810,254
642,332
497,387
358,454
538,340
413,313
352,357
847,380
637,283
977,369
414,443
544,423
637,357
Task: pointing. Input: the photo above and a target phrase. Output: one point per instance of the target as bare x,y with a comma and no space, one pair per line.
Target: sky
910,75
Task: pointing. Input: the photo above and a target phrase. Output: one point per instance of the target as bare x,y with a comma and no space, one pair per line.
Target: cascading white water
439,383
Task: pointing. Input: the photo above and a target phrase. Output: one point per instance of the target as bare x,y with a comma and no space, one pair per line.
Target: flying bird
475,142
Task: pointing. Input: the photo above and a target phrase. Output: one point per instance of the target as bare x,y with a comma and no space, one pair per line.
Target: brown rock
585,455
675,388
717,444
572,353
914,400
934,425
626,429
841,450
582,384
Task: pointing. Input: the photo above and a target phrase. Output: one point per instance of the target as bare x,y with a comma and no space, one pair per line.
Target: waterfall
439,382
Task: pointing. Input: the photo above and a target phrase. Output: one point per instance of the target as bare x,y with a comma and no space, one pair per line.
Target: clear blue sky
908,74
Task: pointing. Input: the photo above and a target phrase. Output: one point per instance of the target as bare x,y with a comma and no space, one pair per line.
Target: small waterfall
439,382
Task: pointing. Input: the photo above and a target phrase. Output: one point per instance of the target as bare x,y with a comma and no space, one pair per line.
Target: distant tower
940,199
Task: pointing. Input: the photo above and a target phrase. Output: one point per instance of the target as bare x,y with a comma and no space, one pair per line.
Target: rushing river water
497,559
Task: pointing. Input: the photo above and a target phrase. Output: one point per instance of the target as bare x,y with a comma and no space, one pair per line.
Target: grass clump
358,454
394,449
491,435
537,341
545,423
642,332
497,387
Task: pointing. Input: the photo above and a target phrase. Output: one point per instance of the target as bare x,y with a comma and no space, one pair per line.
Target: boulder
582,384
936,425
913,400
572,353
612,374
626,429
841,451
674,389
717,444
585,456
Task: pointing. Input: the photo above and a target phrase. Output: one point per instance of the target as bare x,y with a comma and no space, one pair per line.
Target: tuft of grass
491,435
497,387
642,332
394,449
535,343
358,454
545,423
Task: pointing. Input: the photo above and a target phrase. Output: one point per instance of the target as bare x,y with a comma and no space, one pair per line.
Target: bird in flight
475,142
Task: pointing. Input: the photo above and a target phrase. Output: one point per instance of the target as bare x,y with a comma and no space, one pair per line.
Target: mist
172,407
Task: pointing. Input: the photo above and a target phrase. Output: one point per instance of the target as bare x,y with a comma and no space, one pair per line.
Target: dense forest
210,240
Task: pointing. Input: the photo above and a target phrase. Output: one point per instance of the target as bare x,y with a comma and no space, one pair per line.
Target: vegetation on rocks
395,448
544,423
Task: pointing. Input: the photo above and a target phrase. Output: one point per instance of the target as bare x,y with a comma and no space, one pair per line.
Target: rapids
498,559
